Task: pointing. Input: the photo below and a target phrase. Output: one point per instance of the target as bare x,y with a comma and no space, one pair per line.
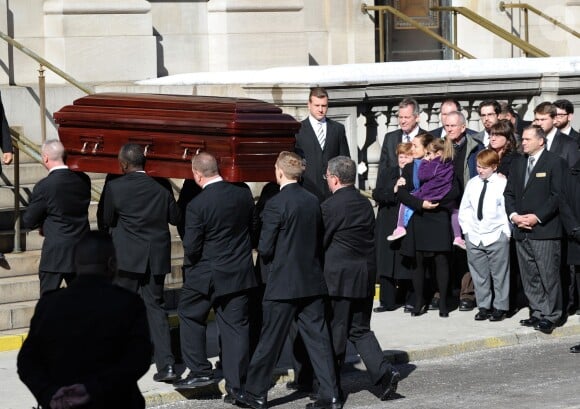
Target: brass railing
388,9
525,7
528,48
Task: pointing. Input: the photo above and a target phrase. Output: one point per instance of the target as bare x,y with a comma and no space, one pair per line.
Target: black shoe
498,315
529,322
167,374
300,387
383,308
253,401
194,381
434,305
233,396
482,315
466,305
545,326
575,349
443,314
408,308
389,383
332,403
418,311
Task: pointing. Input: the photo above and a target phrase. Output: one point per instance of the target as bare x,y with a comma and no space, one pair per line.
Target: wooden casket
245,135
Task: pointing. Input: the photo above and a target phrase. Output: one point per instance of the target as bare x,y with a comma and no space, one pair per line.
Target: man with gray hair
349,271
58,207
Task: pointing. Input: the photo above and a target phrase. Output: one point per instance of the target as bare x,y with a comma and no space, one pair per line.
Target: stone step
30,173
19,289
16,316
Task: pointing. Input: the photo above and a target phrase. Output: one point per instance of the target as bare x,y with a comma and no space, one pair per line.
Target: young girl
435,179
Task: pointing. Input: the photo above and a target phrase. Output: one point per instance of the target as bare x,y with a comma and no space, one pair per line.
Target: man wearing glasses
563,118
489,111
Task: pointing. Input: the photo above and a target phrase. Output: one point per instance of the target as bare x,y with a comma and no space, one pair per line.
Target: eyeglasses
562,114
487,115
327,175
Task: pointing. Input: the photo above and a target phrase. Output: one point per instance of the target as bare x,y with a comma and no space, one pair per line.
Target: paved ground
404,338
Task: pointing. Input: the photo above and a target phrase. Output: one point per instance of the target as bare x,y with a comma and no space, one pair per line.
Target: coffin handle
146,149
185,152
95,147
84,148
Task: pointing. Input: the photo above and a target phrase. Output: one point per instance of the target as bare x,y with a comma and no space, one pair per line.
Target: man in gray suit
137,210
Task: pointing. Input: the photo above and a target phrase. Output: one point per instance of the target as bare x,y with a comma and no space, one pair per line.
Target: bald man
59,209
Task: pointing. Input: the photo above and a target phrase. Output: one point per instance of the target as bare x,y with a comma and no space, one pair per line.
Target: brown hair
291,164
404,148
446,149
505,128
546,108
488,158
317,92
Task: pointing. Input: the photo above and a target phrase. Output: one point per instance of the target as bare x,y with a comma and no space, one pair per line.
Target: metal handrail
384,9
525,6
528,48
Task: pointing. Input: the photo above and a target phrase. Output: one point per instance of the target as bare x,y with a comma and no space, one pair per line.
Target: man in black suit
408,117
5,143
532,197
349,271
59,207
290,246
557,142
563,118
137,210
448,106
88,344
219,273
318,140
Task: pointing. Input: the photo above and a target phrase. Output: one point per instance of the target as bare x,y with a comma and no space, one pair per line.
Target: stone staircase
19,286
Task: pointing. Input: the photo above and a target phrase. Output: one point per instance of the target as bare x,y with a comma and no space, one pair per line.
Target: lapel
556,146
540,164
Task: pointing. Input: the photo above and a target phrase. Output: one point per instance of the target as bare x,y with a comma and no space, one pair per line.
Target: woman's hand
429,205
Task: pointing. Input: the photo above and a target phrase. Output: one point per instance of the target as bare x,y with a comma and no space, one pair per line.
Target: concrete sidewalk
402,337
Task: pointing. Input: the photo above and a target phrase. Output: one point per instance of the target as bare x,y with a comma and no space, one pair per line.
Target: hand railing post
16,183
42,95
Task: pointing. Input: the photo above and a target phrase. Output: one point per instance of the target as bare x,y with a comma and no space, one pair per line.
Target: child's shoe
459,242
397,234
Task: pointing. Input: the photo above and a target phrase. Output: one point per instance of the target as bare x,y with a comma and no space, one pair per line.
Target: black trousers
150,288
350,320
232,319
51,281
278,316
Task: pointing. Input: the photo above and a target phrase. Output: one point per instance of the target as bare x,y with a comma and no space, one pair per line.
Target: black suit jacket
59,206
574,135
349,250
291,245
217,242
566,147
137,210
389,148
92,333
308,147
540,196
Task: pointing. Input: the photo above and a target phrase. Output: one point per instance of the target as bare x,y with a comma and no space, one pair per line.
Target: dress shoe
498,315
408,308
545,326
482,315
300,387
232,396
443,314
167,374
253,401
434,305
332,403
383,308
529,322
466,305
389,383
194,381
575,349
419,311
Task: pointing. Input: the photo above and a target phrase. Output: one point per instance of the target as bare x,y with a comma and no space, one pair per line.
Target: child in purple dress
435,180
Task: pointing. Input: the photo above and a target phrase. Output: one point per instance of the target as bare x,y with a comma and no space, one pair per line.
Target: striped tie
320,135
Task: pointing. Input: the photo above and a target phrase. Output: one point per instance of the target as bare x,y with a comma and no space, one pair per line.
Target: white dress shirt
550,137
494,221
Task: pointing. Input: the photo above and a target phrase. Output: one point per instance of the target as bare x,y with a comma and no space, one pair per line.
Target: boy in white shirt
486,227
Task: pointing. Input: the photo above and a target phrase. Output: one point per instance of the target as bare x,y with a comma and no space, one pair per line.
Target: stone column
100,40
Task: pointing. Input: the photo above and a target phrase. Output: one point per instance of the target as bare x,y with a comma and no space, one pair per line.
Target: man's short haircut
410,101
451,101
488,158
291,164
404,148
54,150
489,103
565,105
317,92
507,109
133,154
343,168
539,132
546,108
460,116
93,253
205,163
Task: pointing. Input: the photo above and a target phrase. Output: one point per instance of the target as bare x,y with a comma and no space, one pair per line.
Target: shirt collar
283,185
211,182
58,168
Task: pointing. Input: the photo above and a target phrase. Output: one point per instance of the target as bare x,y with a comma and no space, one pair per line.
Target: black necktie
481,196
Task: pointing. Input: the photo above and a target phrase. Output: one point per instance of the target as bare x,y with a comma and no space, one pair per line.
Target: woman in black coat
570,215
429,237
394,270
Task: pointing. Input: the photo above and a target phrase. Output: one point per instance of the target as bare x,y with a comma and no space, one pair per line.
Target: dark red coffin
244,134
